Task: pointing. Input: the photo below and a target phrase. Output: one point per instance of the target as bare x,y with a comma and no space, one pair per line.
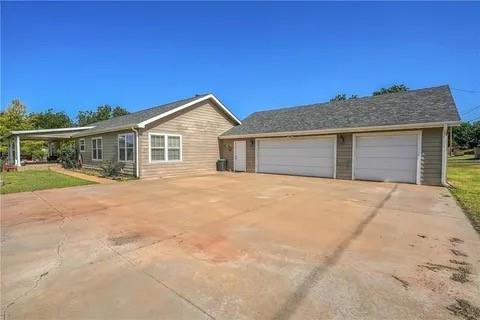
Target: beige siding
199,126
227,153
110,151
344,156
432,156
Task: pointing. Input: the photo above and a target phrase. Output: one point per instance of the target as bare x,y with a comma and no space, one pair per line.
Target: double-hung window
81,144
165,147
125,147
97,148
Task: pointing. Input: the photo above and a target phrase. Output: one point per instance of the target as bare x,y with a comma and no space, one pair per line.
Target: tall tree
50,119
103,112
392,89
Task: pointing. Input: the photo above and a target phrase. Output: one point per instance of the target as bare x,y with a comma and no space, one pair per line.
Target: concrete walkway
82,175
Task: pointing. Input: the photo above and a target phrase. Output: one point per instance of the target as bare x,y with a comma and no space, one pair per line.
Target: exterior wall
199,126
226,147
110,150
344,156
431,168
431,164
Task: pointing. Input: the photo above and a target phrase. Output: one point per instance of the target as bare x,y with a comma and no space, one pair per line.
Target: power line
467,91
470,110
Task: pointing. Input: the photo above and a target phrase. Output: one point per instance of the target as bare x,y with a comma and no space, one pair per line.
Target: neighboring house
400,137
172,139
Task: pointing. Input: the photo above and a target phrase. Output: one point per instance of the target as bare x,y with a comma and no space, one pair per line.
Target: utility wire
467,91
470,110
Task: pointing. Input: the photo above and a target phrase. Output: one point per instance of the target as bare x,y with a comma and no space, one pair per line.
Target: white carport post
17,151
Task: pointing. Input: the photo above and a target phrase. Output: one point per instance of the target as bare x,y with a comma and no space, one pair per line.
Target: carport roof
423,106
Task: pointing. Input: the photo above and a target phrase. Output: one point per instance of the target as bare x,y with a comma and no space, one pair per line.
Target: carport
52,136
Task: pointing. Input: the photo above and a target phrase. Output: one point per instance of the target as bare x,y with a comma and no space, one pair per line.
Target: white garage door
382,157
297,156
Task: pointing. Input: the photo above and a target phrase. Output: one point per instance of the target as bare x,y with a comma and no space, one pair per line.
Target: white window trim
80,145
118,147
166,135
418,179
97,138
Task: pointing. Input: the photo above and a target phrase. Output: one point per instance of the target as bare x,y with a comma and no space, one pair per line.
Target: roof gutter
344,130
113,129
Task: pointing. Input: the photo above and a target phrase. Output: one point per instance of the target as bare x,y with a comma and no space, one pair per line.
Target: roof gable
429,105
143,117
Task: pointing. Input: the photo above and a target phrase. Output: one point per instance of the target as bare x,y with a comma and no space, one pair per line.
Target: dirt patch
464,309
436,267
459,274
404,283
463,263
212,248
124,239
455,240
458,253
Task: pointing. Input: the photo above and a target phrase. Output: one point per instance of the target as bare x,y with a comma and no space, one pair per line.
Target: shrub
67,156
39,154
112,169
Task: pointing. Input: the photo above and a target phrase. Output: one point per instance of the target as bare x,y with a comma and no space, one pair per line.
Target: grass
32,180
464,176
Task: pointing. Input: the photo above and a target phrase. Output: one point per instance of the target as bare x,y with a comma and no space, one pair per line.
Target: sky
253,56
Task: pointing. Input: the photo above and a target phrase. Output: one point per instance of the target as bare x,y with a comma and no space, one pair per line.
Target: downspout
444,154
137,164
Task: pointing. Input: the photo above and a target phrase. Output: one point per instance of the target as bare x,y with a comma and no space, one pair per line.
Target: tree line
16,117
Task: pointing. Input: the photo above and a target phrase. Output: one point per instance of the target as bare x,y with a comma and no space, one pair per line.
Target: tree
13,118
392,89
103,112
50,119
342,97
467,135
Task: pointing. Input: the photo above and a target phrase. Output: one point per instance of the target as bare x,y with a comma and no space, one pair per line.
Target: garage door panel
390,157
386,175
292,152
297,156
298,170
388,152
387,141
296,161
392,163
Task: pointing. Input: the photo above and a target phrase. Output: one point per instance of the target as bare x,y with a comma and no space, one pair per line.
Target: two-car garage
384,156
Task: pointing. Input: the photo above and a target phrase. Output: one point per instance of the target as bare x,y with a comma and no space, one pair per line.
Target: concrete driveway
238,246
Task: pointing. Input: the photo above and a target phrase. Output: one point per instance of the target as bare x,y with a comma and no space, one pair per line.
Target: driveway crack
295,299
58,251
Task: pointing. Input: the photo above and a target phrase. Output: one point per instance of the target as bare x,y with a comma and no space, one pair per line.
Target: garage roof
423,106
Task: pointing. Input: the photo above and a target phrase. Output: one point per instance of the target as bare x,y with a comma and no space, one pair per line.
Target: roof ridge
316,104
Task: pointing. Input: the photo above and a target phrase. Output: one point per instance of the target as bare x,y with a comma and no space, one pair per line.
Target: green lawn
37,180
464,175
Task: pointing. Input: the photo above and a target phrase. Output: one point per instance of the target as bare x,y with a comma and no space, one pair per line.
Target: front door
240,160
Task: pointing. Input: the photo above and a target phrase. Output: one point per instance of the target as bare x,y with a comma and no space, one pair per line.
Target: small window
81,143
165,147
97,149
125,147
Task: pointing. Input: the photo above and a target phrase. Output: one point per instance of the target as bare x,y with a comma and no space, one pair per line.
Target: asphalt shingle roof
135,118
410,107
